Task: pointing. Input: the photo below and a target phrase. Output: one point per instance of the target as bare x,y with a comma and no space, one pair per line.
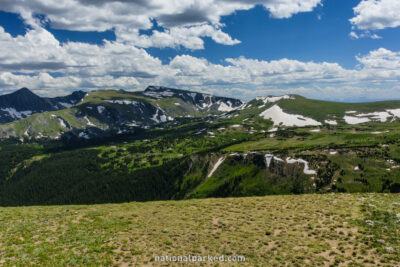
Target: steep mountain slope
108,112
68,101
24,103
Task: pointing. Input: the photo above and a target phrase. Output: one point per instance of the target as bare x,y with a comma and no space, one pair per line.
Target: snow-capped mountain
23,103
203,102
108,112
111,112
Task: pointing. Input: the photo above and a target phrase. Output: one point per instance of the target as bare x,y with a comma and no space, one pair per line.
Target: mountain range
109,112
164,143
105,112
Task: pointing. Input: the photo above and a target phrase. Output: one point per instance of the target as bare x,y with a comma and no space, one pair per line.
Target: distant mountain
200,101
68,101
23,103
108,112
111,112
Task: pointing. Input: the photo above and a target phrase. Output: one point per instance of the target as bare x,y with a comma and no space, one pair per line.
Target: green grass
320,110
304,230
331,137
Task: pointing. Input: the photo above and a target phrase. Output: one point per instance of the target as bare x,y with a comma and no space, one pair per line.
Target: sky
341,50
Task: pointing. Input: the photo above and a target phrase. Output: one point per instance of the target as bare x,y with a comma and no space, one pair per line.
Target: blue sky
321,35
333,49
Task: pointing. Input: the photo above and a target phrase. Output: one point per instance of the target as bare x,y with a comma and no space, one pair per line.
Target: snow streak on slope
13,113
219,162
276,114
306,168
225,107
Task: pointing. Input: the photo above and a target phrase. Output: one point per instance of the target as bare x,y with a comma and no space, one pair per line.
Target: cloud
377,76
366,34
121,65
381,59
376,14
185,22
189,37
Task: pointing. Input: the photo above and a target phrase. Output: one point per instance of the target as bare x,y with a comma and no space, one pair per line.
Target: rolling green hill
322,110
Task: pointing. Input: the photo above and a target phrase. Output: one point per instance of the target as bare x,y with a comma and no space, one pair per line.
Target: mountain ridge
111,112
23,103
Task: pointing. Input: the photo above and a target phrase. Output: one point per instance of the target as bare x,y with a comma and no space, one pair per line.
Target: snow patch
13,113
122,102
65,105
159,94
157,117
355,120
268,158
273,99
88,122
100,109
193,95
395,112
62,123
381,116
225,107
376,116
83,135
276,114
219,162
331,122
306,169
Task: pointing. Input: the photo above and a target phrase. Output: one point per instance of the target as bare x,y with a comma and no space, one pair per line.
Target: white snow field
279,117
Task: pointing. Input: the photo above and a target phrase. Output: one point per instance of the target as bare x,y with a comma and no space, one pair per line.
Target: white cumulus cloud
185,22
376,14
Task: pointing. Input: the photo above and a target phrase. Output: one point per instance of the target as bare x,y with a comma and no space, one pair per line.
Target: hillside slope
165,143
298,111
203,159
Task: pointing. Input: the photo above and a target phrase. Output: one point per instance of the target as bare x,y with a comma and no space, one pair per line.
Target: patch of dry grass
302,230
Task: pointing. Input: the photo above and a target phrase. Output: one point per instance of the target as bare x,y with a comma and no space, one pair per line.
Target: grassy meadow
288,230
